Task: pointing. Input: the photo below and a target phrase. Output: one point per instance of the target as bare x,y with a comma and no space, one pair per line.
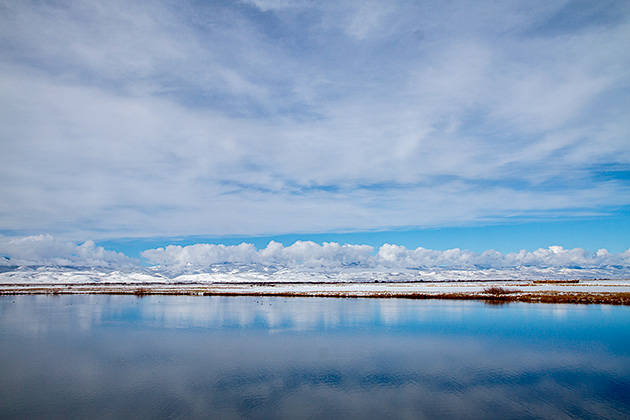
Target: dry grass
492,294
498,290
555,281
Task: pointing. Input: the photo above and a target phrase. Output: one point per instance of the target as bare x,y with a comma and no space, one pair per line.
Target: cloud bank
393,257
301,253
45,250
303,261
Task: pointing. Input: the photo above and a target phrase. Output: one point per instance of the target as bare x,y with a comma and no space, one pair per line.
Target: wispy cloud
271,116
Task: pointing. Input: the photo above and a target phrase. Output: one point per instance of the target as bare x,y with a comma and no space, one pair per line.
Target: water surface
96,356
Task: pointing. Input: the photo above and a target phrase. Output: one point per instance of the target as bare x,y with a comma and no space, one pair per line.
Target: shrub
498,290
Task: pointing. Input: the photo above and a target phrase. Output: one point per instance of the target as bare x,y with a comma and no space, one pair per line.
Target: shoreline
496,292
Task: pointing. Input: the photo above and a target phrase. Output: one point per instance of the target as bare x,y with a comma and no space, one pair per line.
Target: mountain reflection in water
93,356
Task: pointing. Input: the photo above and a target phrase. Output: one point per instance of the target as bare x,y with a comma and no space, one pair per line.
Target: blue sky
479,125
592,234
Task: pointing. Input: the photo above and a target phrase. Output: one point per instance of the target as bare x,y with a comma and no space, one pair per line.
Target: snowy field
447,284
279,274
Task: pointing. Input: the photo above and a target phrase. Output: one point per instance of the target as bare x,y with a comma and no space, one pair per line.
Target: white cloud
146,119
310,253
389,257
308,261
277,5
305,253
554,256
202,254
46,250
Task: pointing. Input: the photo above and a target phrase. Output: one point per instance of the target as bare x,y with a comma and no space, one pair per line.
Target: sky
438,124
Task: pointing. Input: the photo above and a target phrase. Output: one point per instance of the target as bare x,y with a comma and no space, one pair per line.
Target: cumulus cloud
388,257
46,250
304,253
202,254
308,261
554,256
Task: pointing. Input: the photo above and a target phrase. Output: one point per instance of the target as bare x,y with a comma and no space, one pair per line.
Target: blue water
297,358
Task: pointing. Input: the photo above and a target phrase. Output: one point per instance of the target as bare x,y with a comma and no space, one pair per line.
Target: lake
100,356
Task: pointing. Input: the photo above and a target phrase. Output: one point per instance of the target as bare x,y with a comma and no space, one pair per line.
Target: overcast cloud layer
167,118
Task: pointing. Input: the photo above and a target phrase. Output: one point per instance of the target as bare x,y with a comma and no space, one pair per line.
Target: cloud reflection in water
252,357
